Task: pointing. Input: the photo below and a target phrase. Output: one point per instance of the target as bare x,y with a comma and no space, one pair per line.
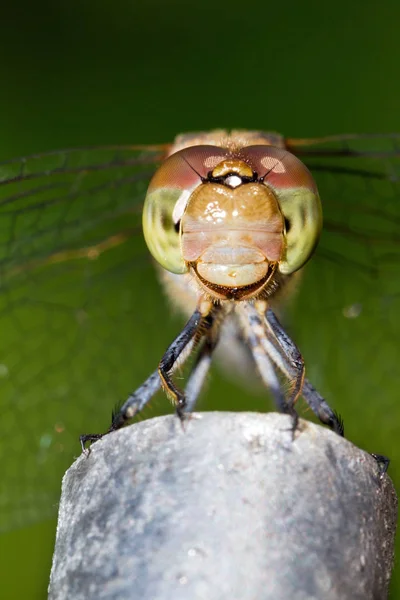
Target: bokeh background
86,73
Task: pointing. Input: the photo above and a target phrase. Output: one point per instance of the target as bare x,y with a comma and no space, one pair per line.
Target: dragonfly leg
383,463
329,417
266,370
134,404
197,326
200,369
321,408
291,352
315,401
179,350
270,344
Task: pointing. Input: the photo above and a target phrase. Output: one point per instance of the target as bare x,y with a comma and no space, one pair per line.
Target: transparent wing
69,261
358,179
347,315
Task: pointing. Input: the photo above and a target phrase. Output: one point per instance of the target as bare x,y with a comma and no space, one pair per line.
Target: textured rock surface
229,508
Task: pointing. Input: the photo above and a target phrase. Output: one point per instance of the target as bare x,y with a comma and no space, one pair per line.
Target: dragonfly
235,222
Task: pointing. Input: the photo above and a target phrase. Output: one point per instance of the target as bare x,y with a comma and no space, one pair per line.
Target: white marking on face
233,181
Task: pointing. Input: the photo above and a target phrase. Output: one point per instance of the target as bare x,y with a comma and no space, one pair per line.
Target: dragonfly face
70,240
232,216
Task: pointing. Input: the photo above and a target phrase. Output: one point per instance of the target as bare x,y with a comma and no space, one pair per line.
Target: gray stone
229,508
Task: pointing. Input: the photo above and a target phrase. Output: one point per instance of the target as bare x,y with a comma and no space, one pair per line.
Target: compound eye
297,194
167,198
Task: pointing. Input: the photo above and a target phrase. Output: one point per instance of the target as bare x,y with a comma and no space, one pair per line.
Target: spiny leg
291,352
264,365
321,408
267,356
383,463
282,351
134,404
315,401
197,326
303,387
329,417
198,375
139,398
319,405
202,365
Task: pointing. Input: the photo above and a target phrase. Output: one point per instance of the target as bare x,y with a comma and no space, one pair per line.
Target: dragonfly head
232,217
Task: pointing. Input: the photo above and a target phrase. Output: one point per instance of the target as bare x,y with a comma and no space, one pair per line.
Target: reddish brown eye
185,169
297,194
167,197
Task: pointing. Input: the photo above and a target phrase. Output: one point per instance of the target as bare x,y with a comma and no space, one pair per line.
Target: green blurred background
85,72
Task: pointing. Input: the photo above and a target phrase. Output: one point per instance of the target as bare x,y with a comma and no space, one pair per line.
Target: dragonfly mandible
71,251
